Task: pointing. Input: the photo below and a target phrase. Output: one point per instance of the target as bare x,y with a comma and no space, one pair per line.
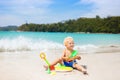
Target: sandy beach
29,66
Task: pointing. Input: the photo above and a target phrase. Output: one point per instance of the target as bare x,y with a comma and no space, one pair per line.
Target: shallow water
42,41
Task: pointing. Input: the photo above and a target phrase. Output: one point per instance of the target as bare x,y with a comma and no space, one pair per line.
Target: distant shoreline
80,25
59,32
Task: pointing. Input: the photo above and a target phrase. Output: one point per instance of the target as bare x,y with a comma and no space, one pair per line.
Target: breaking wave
26,44
22,43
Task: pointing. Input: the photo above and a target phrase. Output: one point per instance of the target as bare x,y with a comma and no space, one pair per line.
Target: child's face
69,44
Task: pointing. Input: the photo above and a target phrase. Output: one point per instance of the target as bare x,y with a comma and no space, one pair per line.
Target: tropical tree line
8,28
110,24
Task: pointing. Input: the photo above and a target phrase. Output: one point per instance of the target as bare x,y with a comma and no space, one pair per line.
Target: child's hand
70,59
77,57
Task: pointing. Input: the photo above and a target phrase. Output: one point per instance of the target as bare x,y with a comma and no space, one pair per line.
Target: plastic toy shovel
43,56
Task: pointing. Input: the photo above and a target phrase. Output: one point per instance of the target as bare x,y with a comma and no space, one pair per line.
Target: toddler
66,59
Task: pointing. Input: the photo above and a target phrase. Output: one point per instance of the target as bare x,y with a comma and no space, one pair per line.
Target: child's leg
59,60
80,68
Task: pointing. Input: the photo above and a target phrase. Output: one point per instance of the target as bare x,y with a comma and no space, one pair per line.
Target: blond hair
66,40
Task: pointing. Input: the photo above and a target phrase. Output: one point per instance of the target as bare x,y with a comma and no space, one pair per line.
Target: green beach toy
74,53
43,56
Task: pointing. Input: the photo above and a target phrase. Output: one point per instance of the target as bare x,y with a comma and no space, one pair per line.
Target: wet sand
29,66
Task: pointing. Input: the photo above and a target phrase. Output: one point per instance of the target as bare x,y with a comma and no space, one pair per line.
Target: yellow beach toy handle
43,56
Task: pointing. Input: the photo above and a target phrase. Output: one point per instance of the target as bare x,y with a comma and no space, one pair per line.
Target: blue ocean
31,41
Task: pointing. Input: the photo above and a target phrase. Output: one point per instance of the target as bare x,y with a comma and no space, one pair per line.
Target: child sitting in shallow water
66,59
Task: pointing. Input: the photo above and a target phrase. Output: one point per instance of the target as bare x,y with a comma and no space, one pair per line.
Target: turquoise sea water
18,41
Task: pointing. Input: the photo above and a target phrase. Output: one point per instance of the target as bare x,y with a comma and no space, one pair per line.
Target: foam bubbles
21,43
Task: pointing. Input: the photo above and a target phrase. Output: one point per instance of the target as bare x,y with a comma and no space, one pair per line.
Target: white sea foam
22,43
26,44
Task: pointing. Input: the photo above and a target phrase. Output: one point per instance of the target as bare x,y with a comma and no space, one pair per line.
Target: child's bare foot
84,72
46,67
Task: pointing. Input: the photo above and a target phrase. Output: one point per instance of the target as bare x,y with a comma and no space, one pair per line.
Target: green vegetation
92,25
8,28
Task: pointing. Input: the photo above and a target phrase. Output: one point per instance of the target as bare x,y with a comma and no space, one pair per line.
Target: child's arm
64,57
77,57
73,58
